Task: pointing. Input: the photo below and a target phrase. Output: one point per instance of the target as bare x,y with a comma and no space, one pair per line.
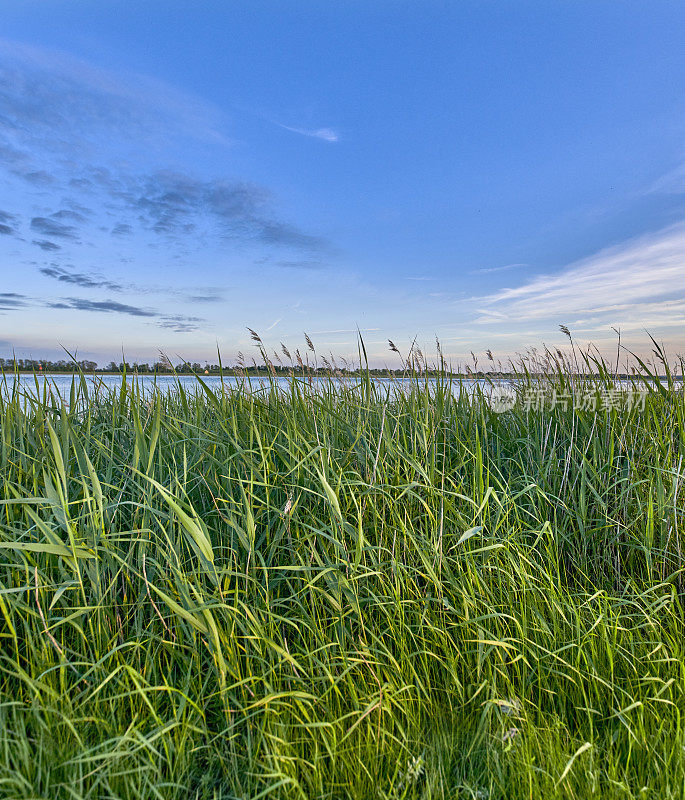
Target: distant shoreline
499,376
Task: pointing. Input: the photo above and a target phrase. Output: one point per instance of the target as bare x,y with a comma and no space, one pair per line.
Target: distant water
61,383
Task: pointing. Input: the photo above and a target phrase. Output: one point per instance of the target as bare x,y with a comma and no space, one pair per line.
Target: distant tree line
44,365
164,367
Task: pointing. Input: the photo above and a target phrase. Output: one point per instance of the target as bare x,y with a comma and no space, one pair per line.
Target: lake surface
499,391
61,383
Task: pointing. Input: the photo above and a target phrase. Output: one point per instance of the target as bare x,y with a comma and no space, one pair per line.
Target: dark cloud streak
67,213
282,234
67,129
311,265
46,245
11,300
51,227
179,323
80,279
204,298
106,306
7,223
36,177
172,204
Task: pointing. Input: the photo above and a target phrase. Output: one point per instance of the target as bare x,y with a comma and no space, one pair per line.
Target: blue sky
171,173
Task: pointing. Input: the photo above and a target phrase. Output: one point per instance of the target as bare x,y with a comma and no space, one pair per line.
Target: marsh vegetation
342,592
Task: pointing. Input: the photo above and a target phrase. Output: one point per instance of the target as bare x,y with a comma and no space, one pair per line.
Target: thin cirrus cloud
325,134
504,268
46,92
672,182
633,285
307,265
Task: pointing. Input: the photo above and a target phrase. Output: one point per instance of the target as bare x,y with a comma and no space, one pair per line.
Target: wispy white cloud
326,134
57,100
347,330
638,284
671,182
505,268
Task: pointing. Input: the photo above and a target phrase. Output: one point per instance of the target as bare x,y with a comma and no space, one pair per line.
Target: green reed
341,590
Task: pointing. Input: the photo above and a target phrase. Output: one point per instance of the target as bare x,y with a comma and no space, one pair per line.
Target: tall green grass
341,591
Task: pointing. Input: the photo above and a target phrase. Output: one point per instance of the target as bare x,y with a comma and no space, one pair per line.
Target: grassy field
342,592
